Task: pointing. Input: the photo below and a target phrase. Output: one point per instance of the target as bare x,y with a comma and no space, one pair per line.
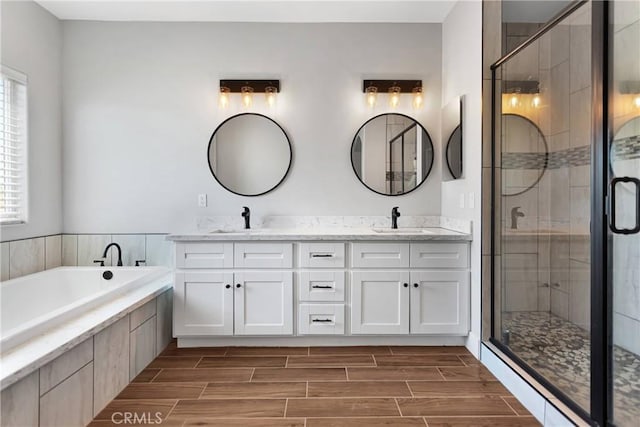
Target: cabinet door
203,303
380,302
440,302
264,303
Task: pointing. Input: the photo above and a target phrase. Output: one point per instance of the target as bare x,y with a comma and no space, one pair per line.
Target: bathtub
34,304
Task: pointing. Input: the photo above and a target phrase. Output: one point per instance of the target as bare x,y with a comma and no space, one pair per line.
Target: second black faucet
246,214
395,213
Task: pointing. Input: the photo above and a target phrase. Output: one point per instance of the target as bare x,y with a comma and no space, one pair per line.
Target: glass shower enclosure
566,208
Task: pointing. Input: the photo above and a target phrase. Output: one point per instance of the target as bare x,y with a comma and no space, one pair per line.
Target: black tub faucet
246,214
395,213
104,255
515,214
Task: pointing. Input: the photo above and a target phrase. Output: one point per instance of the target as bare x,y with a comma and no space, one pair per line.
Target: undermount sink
402,230
229,231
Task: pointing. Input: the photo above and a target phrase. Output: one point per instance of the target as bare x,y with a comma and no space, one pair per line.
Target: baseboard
473,344
318,341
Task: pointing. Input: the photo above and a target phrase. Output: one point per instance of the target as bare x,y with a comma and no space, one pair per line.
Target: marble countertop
37,352
325,234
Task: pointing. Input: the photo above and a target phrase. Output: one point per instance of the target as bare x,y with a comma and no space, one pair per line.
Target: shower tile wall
525,257
549,270
27,256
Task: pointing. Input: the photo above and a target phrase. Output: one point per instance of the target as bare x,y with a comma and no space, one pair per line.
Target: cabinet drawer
321,285
204,255
380,255
321,319
439,255
263,255
322,255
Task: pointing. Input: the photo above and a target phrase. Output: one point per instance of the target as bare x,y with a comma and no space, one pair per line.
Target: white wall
31,43
140,104
462,75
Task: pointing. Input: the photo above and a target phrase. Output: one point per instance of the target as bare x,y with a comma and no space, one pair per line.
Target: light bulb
371,96
270,93
514,101
247,96
224,99
535,102
394,96
636,101
418,98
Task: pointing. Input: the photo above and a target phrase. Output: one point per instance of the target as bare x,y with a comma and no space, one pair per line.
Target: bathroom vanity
333,282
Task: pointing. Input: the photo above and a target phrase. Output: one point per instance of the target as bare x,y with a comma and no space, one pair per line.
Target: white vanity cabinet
312,289
233,289
428,292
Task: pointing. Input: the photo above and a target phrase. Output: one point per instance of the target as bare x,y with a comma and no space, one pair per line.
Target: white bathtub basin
33,304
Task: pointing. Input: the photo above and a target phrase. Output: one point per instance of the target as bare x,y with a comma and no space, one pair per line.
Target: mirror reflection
452,139
249,154
525,154
454,153
392,154
625,149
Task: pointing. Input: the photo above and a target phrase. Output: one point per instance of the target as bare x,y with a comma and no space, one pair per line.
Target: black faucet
246,214
394,217
104,255
515,214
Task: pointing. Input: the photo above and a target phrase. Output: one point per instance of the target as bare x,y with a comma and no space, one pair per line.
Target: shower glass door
543,135
624,219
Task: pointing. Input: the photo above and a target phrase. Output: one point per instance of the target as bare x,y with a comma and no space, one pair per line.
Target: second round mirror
392,154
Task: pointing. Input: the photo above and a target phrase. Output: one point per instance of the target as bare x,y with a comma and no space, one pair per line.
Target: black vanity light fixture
515,91
394,89
246,89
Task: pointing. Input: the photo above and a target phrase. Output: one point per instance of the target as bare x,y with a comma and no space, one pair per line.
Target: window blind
13,147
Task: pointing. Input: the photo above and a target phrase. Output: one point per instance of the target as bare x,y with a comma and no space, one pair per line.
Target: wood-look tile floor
317,387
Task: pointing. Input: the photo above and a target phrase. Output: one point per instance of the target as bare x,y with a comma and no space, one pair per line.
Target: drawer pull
321,255
322,287
322,320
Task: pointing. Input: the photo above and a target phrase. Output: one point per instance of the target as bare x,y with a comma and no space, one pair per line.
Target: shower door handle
612,207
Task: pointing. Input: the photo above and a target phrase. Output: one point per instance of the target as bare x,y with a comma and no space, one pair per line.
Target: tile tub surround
26,256
73,387
319,386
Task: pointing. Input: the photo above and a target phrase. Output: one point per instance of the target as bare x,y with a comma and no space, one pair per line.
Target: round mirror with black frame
525,154
249,154
453,153
392,154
